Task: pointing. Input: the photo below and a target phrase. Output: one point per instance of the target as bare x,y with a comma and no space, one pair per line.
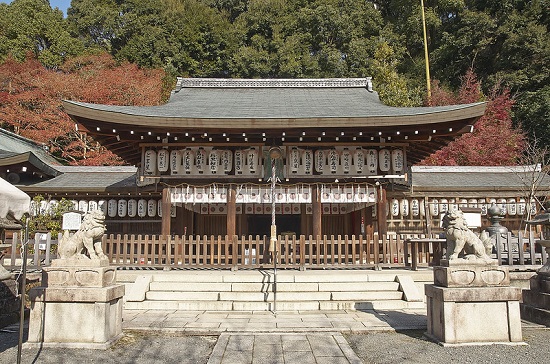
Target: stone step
536,299
535,314
268,306
281,287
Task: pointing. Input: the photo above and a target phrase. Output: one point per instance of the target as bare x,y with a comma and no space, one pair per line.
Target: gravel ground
412,347
133,347
375,347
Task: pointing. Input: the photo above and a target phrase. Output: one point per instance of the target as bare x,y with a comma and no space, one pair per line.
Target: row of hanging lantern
416,207
248,161
111,208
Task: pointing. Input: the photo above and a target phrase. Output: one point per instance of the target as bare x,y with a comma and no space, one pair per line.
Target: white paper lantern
503,204
359,160
173,211
294,160
112,207
122,208
384,160
142,208
213,161
239,161
83,206
521,206
102,205
163,158
405,207
346,160
150,161
398,161
226,160
92,205
443,206
320,160
372,161
512,207
132,208
52,204
434,208
307,161
151,208
415,207
333,160
188,160
462,203
422,208
453,206
200,160
175,162
252,160
472,203
73,202
394,207
482,204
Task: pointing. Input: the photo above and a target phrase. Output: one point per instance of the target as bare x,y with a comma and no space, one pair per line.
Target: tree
31,96
494,141
32,25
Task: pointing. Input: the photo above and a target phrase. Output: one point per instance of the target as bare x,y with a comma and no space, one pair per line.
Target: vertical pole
273,240
381,212
22,290
428,86
231,211
316,207
166,211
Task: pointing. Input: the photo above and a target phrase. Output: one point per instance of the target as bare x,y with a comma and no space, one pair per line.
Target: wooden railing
250,252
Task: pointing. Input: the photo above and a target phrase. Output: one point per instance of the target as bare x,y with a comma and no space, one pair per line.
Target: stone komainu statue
460,239
87,240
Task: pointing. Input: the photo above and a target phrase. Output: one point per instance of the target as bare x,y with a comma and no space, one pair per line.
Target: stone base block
75,317
471,276
474,316
67,273
10,304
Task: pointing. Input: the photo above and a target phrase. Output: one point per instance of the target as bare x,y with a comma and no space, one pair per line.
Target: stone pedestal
471,303
79,305
10,304
536,300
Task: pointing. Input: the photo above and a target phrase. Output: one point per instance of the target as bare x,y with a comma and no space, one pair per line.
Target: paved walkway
285,337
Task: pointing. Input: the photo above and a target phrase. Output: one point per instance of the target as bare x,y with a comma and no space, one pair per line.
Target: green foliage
50,220
505,42
33,26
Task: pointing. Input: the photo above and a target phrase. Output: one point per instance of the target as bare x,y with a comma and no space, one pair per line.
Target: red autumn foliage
494,141
31,95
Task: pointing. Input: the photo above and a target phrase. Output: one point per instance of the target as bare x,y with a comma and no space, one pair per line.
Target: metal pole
22,290
273,240
428,86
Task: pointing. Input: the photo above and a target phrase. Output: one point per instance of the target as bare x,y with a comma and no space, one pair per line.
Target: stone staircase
253,290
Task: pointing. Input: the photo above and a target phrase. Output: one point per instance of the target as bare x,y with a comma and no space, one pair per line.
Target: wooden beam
317,211
166,212
231,211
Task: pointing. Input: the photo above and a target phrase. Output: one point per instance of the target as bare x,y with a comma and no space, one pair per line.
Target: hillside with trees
504,45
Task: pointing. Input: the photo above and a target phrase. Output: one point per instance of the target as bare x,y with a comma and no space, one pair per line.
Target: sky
61,4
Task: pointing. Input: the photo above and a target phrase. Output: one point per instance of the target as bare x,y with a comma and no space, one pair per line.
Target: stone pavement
285,337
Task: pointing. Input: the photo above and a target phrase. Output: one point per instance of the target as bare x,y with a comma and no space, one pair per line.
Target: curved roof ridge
365,82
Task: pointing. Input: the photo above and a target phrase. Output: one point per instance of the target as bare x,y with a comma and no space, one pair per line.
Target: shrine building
204,164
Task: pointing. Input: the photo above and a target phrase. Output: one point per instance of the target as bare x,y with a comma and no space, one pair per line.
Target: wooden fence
248,252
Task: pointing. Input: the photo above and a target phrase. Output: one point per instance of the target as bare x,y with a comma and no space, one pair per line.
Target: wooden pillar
317,211
166,209
381,212
231,211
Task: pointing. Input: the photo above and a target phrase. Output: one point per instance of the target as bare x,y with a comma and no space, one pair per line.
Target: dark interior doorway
261,224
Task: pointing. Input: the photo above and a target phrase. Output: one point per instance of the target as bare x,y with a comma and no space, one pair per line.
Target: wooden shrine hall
206,153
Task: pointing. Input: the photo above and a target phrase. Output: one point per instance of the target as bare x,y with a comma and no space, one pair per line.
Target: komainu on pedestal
79,304
471,301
